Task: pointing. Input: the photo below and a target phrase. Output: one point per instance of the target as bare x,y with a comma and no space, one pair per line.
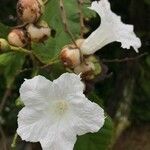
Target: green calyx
4,45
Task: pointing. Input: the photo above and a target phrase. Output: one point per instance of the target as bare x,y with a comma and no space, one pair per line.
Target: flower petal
60,137
33,124
69,84
111,29
88,116
36,92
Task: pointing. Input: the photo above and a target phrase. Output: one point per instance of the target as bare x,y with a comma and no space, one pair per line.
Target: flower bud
4,45
70,56
29,11
39,33
18,37
89,68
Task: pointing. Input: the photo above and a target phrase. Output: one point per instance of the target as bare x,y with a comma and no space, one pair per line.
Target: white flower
110,30
56,112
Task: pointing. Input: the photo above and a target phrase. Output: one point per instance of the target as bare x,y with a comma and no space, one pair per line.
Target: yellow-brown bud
70,56
18,37
29,11
38,33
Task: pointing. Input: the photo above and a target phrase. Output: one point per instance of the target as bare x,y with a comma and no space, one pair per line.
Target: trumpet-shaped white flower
110,30
56,112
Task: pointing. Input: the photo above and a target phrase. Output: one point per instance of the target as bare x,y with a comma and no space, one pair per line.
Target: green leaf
11,63
88,13
5,59
50,49
96,141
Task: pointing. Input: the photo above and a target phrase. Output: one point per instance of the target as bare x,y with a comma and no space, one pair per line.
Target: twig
19,26
4,99
26,51
3,138
49,64
45,2
80,3
20,49
64,21
13,144
66,28
124,59
41,67
24,70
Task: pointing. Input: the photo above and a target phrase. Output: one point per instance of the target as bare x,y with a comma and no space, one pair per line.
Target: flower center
61,107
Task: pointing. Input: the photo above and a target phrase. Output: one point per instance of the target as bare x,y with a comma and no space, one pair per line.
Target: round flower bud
18,37
29,11
70,56
38,33
4,45
89,68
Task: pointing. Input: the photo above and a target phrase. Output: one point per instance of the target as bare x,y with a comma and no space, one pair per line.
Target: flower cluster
55,113
111,29
31,28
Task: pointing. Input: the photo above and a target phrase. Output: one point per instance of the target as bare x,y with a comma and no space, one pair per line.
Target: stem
80,3
20,49
64,21
23,50
14,142
19,26
49,64
53,61
124,59
45,2
35,68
